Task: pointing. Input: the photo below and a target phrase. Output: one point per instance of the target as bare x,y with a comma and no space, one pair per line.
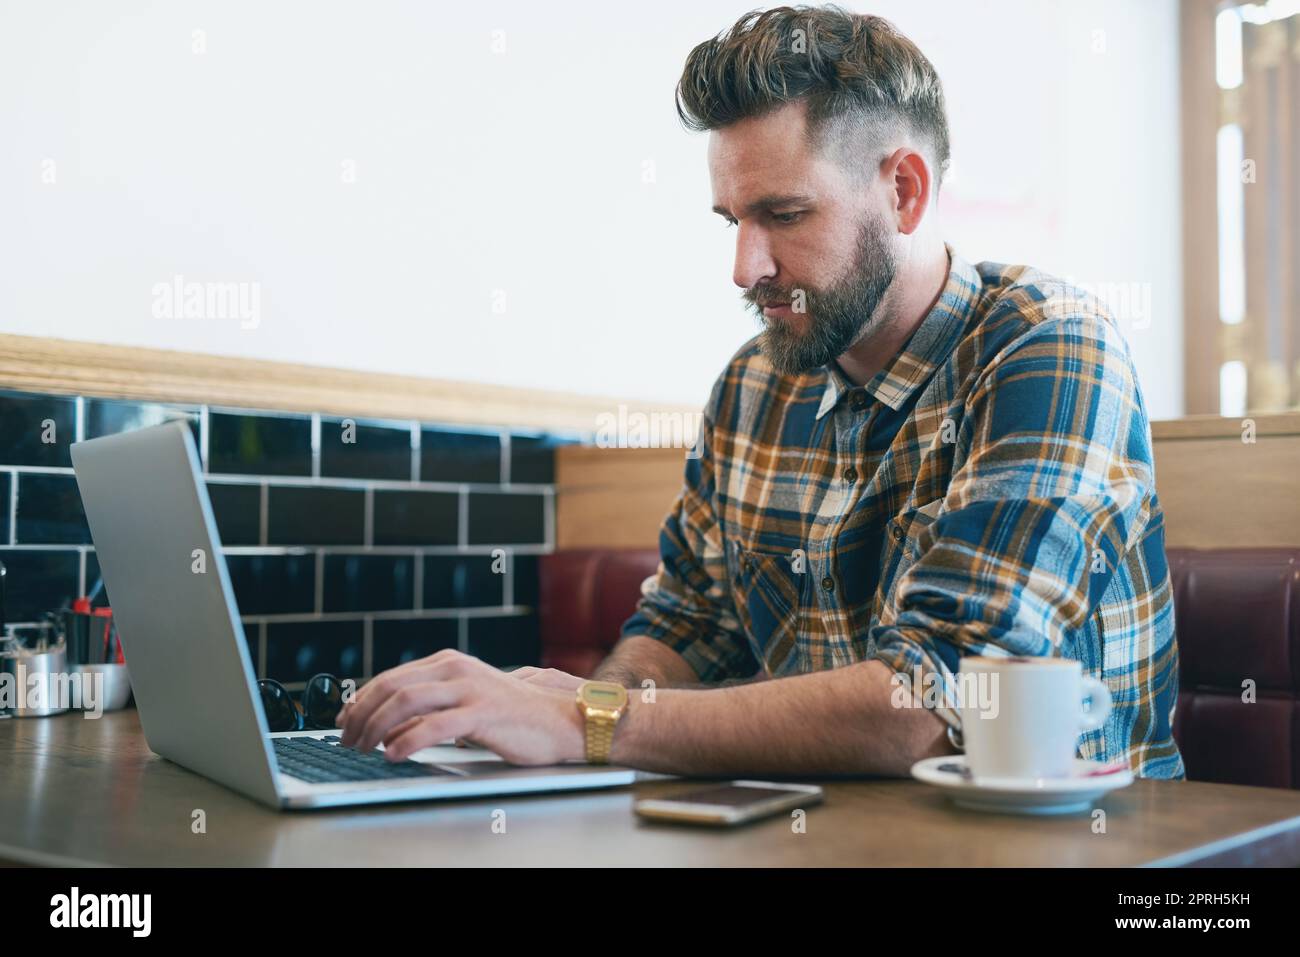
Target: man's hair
861,78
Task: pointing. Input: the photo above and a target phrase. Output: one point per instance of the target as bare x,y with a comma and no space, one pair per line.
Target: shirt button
858,402
850,475
828,584
897,533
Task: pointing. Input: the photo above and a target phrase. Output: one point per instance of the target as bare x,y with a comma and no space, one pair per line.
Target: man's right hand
549,678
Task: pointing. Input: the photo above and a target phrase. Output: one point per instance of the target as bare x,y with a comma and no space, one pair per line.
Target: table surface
76,791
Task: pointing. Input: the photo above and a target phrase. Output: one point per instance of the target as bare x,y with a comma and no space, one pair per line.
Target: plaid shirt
990,491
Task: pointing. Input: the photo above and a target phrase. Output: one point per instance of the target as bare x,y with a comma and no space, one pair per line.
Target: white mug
1022,717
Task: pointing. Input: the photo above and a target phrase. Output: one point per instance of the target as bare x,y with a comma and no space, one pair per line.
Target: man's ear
909,177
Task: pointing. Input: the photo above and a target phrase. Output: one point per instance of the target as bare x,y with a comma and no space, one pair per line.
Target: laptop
191,668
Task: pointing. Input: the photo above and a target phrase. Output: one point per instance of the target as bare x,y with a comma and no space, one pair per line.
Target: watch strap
600,735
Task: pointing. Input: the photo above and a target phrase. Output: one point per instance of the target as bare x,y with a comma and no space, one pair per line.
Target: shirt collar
931,343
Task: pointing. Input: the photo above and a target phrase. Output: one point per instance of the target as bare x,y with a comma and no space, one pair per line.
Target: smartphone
728,804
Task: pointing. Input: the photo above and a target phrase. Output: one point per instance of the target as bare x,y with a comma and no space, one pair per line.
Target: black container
91,639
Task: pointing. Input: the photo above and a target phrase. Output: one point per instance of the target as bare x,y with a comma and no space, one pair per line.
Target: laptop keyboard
325,761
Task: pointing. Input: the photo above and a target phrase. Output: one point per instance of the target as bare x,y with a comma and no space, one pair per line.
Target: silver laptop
190,667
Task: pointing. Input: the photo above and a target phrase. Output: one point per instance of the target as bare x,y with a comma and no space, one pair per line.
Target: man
917,459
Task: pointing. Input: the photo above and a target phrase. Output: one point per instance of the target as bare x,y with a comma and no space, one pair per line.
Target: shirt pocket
767,596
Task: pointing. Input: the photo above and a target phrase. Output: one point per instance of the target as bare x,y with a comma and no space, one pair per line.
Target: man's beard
835,317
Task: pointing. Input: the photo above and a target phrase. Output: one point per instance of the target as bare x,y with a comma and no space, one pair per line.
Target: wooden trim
65,367
1200,225
614,498
1220,492
1220,427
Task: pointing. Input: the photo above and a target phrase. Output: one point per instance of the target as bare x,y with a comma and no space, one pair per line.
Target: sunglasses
322,699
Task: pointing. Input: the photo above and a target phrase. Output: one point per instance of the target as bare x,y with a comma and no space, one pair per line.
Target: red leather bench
1238,620
585,596
1237,614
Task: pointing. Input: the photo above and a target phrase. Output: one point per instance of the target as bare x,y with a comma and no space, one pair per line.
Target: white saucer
1068,795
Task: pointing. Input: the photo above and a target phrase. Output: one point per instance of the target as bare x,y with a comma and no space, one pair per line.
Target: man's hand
549,678
452,695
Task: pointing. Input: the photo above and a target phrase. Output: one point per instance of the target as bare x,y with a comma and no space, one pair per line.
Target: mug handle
1097,692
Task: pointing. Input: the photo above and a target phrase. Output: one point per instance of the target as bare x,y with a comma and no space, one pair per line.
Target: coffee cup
1021,717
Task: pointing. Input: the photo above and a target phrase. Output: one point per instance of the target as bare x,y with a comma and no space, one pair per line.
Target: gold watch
602,703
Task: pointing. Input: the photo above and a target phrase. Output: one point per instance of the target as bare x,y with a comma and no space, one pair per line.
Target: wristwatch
602,703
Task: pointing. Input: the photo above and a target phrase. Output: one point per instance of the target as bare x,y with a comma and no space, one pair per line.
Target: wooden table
74,791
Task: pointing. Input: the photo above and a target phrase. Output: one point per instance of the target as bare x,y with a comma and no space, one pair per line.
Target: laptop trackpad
479,762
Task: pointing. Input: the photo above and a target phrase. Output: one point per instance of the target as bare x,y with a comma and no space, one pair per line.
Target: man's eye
787,218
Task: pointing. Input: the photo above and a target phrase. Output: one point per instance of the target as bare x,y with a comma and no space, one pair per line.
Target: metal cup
42,670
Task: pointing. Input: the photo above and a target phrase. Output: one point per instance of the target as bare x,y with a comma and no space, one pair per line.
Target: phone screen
729,795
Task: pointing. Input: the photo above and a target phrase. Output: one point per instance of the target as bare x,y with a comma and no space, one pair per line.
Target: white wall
521,171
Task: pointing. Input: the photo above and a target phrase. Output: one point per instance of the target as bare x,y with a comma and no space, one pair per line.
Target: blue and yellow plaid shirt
990,491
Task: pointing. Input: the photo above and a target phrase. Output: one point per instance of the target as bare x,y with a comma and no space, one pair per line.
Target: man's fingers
357,715
406,702
403,671
404,726
428,731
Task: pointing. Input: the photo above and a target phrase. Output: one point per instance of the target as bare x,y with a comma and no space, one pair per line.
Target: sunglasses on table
322,699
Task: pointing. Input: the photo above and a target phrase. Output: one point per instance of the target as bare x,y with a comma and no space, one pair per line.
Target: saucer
1067,795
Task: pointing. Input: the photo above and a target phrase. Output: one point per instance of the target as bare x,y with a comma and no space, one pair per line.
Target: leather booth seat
586,595
1237,614
1238,624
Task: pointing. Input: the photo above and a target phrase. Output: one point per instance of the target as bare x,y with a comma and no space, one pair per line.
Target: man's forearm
831,722
638,658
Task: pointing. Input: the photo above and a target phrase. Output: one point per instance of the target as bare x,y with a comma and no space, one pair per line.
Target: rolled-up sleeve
687,604
1054,486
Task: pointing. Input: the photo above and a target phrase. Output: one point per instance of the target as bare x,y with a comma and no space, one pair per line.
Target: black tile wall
238,510
416,518
259,444
6,487
96,591
397,642
37,430
532,458
462,581
39,581
297,650
319,539
106,417
507,518
49,511
349,449
251,641
448,456
369,582
273,584
523,580
304,515
505,642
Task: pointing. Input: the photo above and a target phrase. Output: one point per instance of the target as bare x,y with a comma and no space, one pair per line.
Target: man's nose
754,262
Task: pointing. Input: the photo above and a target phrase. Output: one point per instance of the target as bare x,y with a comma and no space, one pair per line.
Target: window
1241,84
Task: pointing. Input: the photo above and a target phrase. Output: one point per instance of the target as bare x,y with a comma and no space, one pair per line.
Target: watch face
602,694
